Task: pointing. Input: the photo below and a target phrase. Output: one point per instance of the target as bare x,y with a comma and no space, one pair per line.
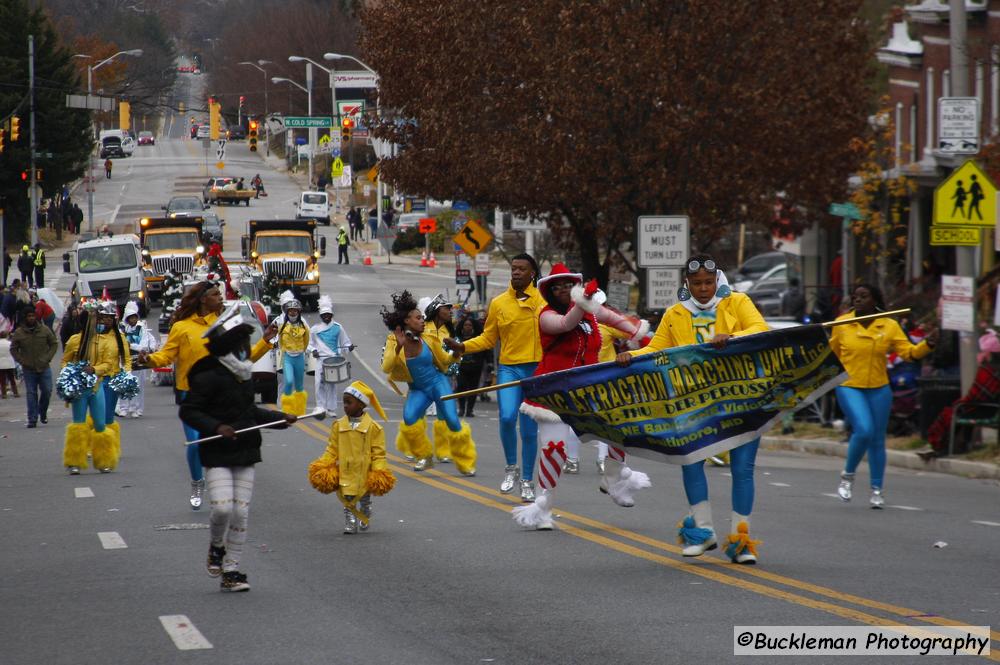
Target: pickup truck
215,191
169,243
289,250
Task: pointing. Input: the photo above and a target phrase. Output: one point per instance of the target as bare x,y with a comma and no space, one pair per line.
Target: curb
897,458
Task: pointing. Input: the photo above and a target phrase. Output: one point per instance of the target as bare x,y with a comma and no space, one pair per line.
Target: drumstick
318,414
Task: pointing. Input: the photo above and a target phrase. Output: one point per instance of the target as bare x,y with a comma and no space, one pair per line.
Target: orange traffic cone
368,258
423,259
432,262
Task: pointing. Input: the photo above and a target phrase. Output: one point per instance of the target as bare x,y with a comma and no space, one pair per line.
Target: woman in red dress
570,337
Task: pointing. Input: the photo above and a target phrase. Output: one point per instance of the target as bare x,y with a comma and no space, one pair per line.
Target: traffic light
214,119
3,139
15,128
26,175
253,136
124,115
346,125
242,99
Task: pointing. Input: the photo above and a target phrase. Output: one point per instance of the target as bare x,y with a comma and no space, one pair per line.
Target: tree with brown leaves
597,111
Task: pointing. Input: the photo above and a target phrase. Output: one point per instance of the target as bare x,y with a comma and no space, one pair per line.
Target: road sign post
958,125
309,122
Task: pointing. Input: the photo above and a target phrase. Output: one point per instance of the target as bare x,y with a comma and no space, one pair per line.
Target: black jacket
216,398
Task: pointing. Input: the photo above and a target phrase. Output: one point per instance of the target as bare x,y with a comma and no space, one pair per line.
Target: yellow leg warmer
289,403
414,437
402,443
106,445
442,439
303,401
463,449
117,429
77,445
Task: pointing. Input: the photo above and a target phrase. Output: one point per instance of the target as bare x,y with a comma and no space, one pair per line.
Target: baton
318,414
828,324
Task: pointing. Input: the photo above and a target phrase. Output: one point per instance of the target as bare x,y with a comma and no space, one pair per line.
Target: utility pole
33,213
965,257
312,130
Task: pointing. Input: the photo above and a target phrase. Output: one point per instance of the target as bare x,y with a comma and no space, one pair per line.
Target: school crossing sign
966,198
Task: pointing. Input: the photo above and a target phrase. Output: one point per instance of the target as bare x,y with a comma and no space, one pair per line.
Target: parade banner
692,402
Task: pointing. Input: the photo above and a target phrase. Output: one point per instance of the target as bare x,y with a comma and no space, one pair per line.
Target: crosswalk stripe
184,633
83,492
110,540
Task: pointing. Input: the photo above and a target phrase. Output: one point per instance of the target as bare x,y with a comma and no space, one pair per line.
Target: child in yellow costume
413,355
105,350
293,338
354,464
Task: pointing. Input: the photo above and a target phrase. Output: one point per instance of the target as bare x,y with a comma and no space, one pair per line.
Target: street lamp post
90,91
308,90
333,102
378,178
260,65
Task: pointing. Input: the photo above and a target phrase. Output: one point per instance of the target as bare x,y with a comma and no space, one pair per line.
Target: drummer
327,339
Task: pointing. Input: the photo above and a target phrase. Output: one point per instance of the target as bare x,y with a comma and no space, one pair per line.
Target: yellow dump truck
289,250
169,243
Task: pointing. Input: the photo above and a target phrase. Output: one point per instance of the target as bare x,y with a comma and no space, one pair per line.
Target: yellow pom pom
324,476
380,481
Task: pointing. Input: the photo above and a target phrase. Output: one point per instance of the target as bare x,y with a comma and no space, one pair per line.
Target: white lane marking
726,473
183,632
985,523
111,540
780,484
114,215
889,505
83,492
834,496
351,278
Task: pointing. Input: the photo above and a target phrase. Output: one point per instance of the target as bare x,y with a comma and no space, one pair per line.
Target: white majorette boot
695,532
621,482
846,482
511,474
740,548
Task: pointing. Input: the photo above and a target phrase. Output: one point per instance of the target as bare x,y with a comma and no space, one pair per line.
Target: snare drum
336,370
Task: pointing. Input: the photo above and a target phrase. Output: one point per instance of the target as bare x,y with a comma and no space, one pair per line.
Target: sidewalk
898,458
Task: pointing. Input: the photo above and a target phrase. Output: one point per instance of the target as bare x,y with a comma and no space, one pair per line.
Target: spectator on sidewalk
77,218
72,323
39,264
7,375
342,244
7,262
44,312
33,346
8,303
372,223
26,266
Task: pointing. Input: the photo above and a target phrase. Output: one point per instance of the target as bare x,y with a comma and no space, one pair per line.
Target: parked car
203,131
146,138
111,146
212,229
767,291
409,220
236,134
755,267
185,206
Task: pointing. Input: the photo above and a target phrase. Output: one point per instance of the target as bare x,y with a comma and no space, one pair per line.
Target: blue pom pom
690,534
124,384
73,382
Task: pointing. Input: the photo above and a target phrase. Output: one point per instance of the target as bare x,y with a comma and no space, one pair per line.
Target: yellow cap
361,391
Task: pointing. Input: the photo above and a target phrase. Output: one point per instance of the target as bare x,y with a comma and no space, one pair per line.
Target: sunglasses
696,265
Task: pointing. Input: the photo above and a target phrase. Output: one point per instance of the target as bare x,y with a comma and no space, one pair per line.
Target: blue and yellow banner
691,402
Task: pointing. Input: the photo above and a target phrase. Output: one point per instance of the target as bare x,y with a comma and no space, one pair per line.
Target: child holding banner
866,397
571,337
710,312
512,320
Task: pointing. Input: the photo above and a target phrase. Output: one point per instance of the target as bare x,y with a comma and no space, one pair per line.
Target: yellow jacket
293,338
102,354
863,350
735,315
515,324
185,346
356,452
608,336
394,364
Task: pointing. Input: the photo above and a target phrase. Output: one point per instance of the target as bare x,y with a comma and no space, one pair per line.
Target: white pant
229,492
326,393
137,403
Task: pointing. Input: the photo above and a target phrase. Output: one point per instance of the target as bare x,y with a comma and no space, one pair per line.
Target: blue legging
295,373
867,410
510,403
193,456
419,398
93,402
110,403
741,460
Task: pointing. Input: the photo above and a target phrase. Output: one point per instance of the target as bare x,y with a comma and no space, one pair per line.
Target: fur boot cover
537,513
463,449
414,439
539,413
442,440
105,447
622,488
117,429
77,445
324,475
380,481
295,403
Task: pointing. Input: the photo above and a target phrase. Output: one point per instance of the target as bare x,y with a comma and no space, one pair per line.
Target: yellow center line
697,567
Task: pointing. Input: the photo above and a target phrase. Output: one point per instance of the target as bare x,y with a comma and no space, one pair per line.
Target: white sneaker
846,482
137,414
877,500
